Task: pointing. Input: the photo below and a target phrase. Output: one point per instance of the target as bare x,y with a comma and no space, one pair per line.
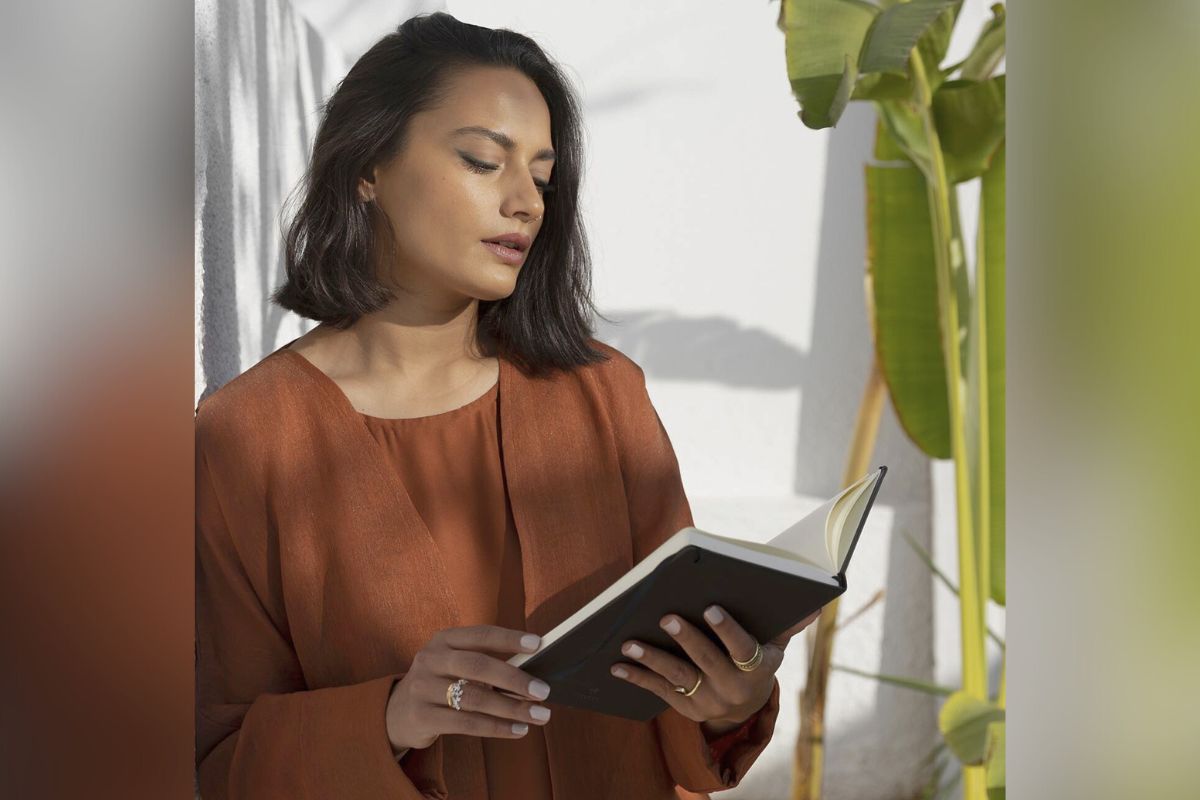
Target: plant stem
985,432
971,606
900,681
809,759
927,559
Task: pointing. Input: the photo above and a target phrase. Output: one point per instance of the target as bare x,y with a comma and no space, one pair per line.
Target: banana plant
938,335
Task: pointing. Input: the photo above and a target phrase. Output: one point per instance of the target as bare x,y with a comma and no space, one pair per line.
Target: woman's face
448,190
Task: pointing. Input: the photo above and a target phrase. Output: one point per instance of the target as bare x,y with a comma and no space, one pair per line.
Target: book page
807,538
836,543
817,537
851,521
769,549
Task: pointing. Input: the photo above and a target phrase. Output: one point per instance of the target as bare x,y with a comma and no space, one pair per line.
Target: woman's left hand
727,696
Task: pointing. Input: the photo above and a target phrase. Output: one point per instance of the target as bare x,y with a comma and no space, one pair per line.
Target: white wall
261,72
729,249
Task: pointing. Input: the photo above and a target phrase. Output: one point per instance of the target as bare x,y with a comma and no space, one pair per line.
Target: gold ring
753,662
692,691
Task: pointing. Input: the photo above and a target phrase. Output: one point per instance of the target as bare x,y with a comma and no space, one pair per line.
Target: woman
389,505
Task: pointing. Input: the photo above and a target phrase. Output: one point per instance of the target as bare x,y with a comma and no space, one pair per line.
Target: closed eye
481,167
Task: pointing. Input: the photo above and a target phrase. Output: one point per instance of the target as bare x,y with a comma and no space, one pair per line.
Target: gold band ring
753,662
692,691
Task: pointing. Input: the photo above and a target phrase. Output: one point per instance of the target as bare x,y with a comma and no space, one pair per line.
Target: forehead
491,97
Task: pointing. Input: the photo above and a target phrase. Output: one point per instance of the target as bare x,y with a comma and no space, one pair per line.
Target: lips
513,241
506,254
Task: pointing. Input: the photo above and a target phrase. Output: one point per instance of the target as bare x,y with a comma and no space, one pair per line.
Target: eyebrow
545,154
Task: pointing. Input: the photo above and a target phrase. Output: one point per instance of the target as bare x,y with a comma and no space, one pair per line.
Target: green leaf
897,680
936,40
969,116
886,147
934,43
903,122
882,86
894,33
963,721
903,291
988,50
932,46
842,50
994,761
822,41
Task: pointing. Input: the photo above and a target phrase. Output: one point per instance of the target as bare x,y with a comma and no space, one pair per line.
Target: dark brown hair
547,320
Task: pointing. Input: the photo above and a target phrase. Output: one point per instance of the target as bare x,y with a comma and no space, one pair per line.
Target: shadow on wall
832,374
715,349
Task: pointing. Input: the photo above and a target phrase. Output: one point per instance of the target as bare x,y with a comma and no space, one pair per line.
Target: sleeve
260,733
721,744
658,507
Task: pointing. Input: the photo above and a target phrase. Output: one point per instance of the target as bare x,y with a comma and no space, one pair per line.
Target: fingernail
713,615
671,626
531,641
539,689
634,650
540,712
620,672
520,727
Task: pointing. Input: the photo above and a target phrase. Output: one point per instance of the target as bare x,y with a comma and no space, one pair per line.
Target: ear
366,187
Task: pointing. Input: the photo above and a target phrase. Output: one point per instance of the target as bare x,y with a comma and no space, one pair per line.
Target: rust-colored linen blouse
331,546
450,464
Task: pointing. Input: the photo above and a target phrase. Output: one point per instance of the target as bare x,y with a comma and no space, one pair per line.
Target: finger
712,660
739,643
473,723
483,699
483,668
657,685
679,671
489,638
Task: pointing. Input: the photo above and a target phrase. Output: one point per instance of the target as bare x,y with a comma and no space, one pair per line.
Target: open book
766,588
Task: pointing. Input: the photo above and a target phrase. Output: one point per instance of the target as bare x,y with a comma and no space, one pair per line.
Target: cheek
442,216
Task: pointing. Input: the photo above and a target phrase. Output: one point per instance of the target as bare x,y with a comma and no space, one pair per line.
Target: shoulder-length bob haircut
546,322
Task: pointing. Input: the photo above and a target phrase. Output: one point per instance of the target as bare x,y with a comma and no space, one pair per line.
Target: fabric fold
260,731
690,756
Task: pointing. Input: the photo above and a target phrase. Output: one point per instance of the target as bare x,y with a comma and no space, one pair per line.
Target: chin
495,291
495,296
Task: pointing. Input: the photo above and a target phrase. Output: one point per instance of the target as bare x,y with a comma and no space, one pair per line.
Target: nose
523,200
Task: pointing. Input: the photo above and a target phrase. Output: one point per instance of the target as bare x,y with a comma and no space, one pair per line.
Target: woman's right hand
417,711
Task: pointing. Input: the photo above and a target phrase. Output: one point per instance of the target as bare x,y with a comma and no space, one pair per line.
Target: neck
414,342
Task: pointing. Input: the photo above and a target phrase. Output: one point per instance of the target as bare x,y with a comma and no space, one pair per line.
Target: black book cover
764,601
